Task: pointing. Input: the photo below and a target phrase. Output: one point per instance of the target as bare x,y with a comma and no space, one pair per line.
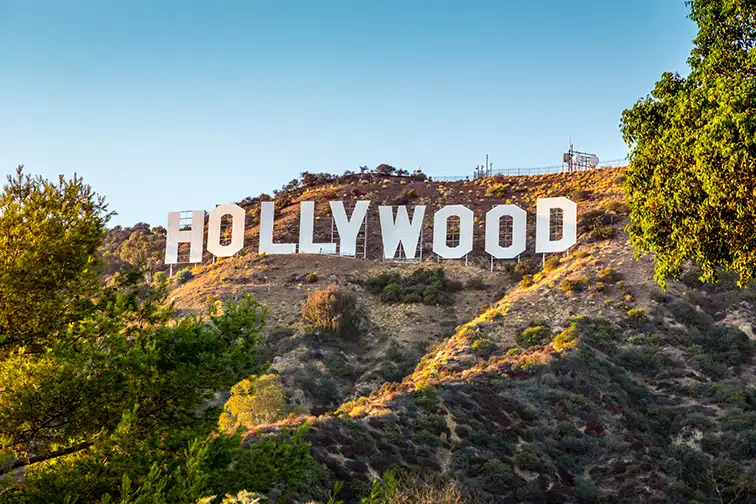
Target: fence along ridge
520,172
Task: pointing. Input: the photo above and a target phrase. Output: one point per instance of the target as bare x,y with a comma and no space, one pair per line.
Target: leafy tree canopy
254,401
692,176
106,394
49,234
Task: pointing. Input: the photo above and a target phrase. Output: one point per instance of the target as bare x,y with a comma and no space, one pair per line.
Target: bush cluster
527,281
638,314
533,336
567,338
183,276
255,400
617,208
405,197
527,266
499,190
552,263
581,195
331,311
476,283
570,285
609,275
427,285
597,224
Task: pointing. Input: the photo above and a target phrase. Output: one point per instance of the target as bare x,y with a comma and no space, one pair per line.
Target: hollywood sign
395,230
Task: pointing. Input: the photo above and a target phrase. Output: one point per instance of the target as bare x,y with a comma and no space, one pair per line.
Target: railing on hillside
519,172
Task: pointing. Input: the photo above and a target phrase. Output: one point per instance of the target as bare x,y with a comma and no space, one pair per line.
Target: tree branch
41,458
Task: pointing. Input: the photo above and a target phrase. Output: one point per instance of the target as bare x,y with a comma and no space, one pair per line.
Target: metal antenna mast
483,170
579,160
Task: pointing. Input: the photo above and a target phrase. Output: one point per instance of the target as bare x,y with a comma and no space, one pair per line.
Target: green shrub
597,224
593,219
533,336
570,285
725,344
597,287
528,461
580,195
617,208
708,365
603,233
586,490
428,286
597,329
311,278
567,338
659,296
526,266
499,190
183,276
652,340
527,281
691,463
331,311
552,263
639,358
638,314
476,283
498,476
609,275
481,344
729,393
254,401
282,461
426,396
282,202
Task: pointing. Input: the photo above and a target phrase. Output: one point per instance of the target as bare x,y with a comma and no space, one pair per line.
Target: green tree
143,249
254,401
106,394
692,175
49,234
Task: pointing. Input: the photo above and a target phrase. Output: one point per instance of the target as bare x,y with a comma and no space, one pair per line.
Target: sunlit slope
584,381
322,374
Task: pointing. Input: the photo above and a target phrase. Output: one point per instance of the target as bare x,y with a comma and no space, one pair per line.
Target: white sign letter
440,224
401,231
348,228
194,236
237,230
493,239
544,244
267,210
306,230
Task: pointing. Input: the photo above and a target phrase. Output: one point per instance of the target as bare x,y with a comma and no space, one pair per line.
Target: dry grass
427,489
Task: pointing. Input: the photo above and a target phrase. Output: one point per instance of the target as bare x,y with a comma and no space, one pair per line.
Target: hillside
398,334
577,382
617,401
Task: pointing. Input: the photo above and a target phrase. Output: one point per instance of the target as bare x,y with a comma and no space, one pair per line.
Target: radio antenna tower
483,170
579,160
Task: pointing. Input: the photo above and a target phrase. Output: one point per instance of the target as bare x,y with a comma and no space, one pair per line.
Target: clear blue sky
176,105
